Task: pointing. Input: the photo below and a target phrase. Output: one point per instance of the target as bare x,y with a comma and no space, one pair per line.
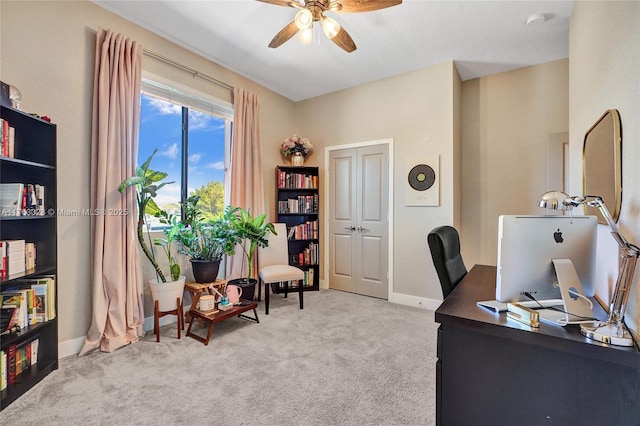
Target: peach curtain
117,304
247,186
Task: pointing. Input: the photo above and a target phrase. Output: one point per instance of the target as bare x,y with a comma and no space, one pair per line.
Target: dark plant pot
248,287
205,271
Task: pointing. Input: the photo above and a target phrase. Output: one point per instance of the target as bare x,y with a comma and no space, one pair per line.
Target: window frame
192,99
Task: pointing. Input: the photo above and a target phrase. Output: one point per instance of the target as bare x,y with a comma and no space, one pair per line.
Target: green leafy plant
252,232
171,232
202,239
147,182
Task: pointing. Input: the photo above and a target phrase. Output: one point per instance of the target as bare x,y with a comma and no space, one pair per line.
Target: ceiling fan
310,11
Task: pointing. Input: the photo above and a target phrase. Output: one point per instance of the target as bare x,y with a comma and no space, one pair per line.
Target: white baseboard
420,302
72,347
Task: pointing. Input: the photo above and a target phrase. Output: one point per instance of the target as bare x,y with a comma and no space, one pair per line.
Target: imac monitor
526,245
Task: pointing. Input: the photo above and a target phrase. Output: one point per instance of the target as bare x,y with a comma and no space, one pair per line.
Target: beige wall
506,121
47,52
604,46
419,110
491,133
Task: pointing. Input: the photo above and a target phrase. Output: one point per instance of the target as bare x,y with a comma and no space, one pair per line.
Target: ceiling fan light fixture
330,27
304,19
306,36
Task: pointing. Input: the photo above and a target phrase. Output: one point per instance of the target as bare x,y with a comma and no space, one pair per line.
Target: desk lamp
613,330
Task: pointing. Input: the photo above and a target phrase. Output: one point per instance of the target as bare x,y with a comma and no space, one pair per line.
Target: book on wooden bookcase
3,370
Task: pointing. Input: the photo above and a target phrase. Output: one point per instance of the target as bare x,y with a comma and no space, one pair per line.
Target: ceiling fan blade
344,40
289,3
285,34
277,2
356,6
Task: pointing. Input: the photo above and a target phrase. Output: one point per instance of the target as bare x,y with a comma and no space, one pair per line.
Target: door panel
358,225
371,249
373,222
343,187
371,186
343,207
342,255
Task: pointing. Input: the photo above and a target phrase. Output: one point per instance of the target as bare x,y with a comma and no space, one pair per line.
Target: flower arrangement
295,144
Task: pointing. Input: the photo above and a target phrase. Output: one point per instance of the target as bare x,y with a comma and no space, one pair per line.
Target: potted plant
147,182
205,241
252,233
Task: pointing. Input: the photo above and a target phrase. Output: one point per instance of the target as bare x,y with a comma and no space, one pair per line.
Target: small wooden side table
196,289
216,315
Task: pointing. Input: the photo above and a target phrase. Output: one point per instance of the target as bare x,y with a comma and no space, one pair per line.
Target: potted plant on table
147,182
205,241
252,233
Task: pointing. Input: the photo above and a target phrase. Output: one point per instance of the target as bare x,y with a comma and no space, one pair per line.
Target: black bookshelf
298,206
34,162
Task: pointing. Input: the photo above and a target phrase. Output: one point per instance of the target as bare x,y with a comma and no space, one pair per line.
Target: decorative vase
167,293
297,159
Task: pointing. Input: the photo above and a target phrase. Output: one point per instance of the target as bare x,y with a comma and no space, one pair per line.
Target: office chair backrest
277,253
444,243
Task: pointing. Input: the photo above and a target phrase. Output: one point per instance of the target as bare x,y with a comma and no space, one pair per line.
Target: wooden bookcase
34,162
298,206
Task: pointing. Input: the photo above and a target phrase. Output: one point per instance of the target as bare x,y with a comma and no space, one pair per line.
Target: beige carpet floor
343,360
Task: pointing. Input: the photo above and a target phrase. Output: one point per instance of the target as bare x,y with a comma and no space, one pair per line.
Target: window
192,136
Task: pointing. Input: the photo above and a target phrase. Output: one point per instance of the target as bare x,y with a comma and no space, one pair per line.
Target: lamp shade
306,36
554,200
304,19
330,27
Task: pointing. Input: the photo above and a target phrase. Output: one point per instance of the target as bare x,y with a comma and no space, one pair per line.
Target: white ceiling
481,37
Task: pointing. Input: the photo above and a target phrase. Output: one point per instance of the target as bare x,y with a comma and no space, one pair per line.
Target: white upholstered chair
273,267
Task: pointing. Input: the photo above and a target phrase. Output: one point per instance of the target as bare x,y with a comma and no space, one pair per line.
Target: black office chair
444,243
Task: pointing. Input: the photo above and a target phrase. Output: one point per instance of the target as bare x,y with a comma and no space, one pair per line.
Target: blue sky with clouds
160,128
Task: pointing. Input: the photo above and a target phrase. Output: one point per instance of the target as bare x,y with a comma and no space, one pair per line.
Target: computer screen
526,246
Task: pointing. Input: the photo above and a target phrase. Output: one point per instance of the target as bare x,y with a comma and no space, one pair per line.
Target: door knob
350,228
361,228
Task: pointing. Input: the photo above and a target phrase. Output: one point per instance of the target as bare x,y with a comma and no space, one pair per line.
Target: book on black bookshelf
22,199
33,297
7,139
17,359
16,256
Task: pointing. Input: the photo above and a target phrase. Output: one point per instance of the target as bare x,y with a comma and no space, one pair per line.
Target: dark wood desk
492,370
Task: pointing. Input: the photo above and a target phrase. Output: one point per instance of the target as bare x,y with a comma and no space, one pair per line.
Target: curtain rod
191,71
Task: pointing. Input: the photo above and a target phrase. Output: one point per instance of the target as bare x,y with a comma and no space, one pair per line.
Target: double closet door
358,220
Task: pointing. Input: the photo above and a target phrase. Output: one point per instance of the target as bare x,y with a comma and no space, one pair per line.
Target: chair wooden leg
301,292
260,283
179,314
156,321
266,299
